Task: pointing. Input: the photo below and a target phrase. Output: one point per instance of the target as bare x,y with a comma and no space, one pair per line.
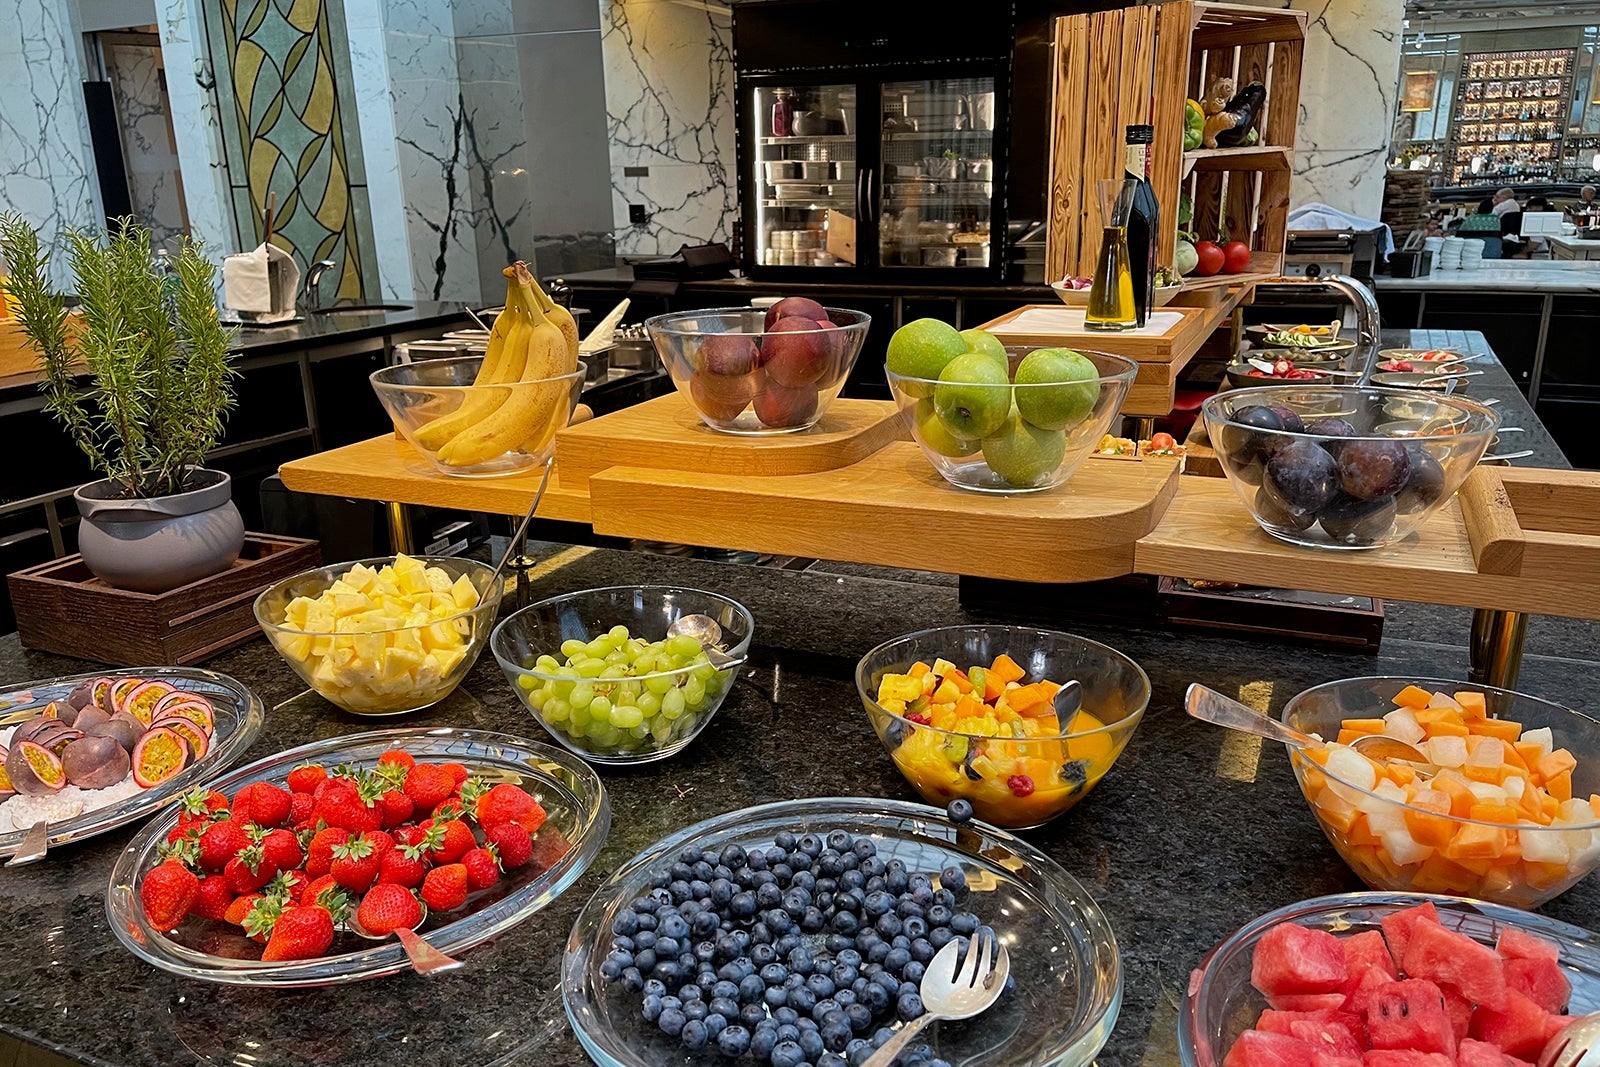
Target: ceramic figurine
1231,123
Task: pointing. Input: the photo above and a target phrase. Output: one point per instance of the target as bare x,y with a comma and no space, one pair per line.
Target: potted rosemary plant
142,385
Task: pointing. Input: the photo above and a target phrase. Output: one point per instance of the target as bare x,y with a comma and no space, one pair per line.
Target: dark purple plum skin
1333,426
1369,469
1358,522
1273,513
1257,443
1289,417
1426,484
1303,476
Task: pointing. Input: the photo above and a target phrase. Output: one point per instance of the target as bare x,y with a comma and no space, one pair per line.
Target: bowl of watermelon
1388,980
1506,808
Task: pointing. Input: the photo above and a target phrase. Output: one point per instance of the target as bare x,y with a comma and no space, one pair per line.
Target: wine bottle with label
1144,222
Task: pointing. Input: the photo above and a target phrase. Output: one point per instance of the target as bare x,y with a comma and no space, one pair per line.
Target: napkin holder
261,285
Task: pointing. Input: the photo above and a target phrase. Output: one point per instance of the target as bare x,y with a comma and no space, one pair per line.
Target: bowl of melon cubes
1506,807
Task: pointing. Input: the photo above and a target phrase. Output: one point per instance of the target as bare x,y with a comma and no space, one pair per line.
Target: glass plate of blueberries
796,934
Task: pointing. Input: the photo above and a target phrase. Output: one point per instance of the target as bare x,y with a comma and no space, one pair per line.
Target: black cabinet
1572,423
1570,368
1509,321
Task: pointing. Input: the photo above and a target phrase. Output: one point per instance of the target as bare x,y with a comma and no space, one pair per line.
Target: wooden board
894,510
1177,344
1549,525
1263,265
382,468
1067,182
1255,157
1166,155
19,363
61,607
666,433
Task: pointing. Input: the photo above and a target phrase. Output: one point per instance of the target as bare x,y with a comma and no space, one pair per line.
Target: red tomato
1162,442
1211,258
1235,257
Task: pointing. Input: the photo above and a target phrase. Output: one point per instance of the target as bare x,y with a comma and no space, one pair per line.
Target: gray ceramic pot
159,543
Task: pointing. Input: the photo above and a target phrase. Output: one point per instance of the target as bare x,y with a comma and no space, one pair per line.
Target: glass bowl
1220,1003
354,671
1063,953
646,610
742,378
1004,452
1062,768
237,712
579,816
1347,812
525,415
1344,484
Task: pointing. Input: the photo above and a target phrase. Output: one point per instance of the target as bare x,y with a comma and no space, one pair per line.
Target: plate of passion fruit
91,752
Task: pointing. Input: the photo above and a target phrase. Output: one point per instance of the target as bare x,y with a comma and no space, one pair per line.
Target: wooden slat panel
1102,140
1254,64
1272,221
1259,33
1066,146
1283,96
1172,80
1219,63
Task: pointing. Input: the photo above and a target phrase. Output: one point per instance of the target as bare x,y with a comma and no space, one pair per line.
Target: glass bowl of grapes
1316,465
628,673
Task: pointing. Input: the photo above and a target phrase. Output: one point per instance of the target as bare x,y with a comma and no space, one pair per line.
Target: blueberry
922,950
756,861
811,922
705,924
939,915
897,960
876,904
820,985
626,924
803,880
859,1017
943,898
852,880
959,810
611,966
785,1016
632,980
908,1007
695,1009
915,927
705,952
763,1038
836,1032
645,906
939,937
874,998
672,1021
694,1035
842,974
787,1054
888,925
802,1000
812,1045
914,971
823,1007
782,872
743,905
857,1051
964,923
732,856
795,902
666,948
715,1024
775,996
650,1009
846,923
769,895
777,857
734,1041
832,1059
774,973
801,961
691,991
784,840
789,1031
678,891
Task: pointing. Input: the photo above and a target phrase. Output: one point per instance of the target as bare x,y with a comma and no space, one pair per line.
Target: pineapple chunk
464,593
401,664
350,603
438,580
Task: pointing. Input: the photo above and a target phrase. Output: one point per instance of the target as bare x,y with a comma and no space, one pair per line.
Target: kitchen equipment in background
1318,253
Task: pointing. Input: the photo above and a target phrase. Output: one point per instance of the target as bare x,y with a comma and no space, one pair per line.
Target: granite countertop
353,325
621,277
1573,242
1526,276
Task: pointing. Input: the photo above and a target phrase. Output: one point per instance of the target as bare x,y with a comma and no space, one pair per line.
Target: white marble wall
669,103
154,186
196,127
47,169
370,87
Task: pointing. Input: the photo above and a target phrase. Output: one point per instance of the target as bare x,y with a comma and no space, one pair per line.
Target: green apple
921,349
1022,455
1060,388
985,342
973,396
934,434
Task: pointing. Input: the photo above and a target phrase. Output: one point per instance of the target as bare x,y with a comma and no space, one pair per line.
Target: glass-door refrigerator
887,176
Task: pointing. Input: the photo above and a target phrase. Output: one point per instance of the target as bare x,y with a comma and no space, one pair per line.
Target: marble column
197,130
370,87
47,171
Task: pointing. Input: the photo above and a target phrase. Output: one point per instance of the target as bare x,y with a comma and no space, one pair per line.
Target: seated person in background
1512,244
1536,244
1505,201
1587,203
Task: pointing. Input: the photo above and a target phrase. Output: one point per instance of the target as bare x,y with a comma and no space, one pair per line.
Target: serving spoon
1572,1044
1208,705
953,989
425,959
708,632
34,845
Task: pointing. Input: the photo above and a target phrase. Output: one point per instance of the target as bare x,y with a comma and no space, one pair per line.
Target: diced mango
1504,729
1473,705
1412,697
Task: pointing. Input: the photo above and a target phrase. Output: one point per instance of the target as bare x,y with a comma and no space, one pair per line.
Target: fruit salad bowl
1019,427
760,370
577,818
1018,769
1313,468
476,431
375,653
1453,832
1221,1003
600,673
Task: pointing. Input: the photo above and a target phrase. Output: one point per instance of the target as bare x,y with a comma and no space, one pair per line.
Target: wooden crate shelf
1254,157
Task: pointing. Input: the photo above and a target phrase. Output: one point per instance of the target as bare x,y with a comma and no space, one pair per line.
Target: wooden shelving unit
1252,157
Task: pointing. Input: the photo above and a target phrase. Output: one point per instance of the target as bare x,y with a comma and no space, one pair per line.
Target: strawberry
220,842
248,871
262,917
427,784
397,808
324,891
483,868
450,808
445,888
212,899
302,932
187,830
457,772
457,841
319,854
403,866
395,756
203,803
306,777
382,842
502,804
168,892
513,844
344,803
549,848
355,864
262,803
241,907
409,835
287,885
387,908
281,849
301,806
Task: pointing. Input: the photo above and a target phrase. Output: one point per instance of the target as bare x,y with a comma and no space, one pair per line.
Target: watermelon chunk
1519,1029
1367,963
1541,981
1397,927
1472,1053
1459,1008
1333,1038
1274,1021
1395,1057
1410,1015
1308,1002
1291,960
1515,944
1452,959
1328,1059
1256,1048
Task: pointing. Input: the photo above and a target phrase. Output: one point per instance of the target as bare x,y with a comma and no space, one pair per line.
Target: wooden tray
666,434
1179,342
62,608
1525,522
893,509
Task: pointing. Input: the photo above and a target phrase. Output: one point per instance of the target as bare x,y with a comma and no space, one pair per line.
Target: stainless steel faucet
1368,321
313,287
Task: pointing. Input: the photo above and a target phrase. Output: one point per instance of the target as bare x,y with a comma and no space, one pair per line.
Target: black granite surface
349,323
1190,835
621,278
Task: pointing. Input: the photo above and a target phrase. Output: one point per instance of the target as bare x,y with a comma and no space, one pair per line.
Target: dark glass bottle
1144,225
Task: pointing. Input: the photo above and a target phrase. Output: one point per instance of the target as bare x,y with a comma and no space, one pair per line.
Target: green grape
567,671
614,670
547,664
557,710
619,634
582,694
526,682
637,646
572,647
590,668
661,728
648,703
703,671
716,683
563,688
694,693
600,707
672,703
683,647
659,684
640,732
536,699
602,732
627,693
579,718
617,658
598,648
644,663
625,717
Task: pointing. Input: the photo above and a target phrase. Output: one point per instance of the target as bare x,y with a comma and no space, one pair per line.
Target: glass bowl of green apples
999,419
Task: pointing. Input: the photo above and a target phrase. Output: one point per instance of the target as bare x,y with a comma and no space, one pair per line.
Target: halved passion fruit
141,701
100,693
119,691
34,770
197,739
203,714
6,788
160,754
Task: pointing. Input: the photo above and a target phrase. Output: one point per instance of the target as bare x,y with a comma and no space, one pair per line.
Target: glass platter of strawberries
291,871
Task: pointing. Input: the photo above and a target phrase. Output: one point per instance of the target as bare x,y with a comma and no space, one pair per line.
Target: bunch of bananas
533,340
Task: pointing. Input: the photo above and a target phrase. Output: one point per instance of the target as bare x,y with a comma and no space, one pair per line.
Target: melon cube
1403,848
1471,1053
1276,1021
1487,791
1575,811
1402,724
1514,787
1456,960
1350,766
1447,750
1367,964
1291,959
1541,981
1256,1048
1541,737
1444,700
1333,1038
1410,1014
1542,845
352,603
1518,1026
1307,1003
1459,1008
297,647
464,593
1320,1058
1490,752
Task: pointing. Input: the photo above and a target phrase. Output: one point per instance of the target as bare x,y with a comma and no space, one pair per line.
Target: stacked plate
1434,245
1451,251
1472,256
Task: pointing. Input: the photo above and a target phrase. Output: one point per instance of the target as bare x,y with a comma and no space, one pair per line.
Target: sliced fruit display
159,755
34,770
120,691
198,740
100,693
197,708
142,699
6,788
